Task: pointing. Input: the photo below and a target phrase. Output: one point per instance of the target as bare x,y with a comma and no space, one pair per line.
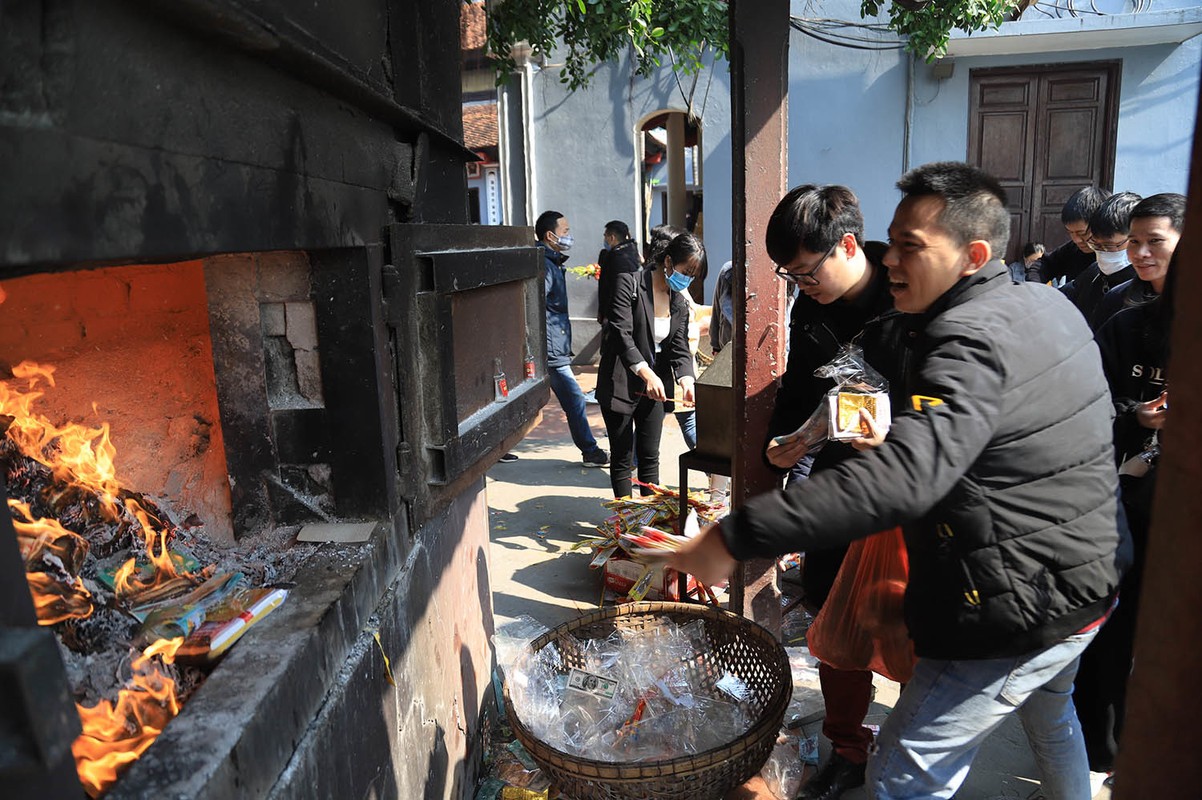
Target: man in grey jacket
1000,473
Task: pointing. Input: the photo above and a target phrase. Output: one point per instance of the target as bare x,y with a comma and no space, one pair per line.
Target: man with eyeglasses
816,238
1108,240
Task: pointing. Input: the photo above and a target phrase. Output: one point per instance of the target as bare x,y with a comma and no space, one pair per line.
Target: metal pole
759,51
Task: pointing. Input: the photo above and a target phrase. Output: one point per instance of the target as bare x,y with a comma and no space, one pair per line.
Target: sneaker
590,397
597,458
508,458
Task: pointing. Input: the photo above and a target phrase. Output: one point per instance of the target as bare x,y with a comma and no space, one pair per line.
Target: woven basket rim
768,722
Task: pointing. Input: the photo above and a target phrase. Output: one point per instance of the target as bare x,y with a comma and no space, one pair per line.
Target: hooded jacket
1000,470
623,258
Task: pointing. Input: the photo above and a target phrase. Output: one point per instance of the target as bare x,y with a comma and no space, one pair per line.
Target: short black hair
547,221
1167,204
1114,215
1082,204
618,228
684,247
814,218
974,203
1031,248
661,237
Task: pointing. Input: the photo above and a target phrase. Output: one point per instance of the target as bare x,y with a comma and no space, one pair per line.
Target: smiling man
1001,473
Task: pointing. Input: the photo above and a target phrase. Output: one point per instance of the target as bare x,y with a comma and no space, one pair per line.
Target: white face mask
1110,263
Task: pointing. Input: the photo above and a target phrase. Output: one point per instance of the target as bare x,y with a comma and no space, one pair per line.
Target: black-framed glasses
804,278
1107,247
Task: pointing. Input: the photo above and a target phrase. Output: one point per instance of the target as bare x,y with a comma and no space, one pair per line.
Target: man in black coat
1070,259
1108,229
1001,473
620,256
816,236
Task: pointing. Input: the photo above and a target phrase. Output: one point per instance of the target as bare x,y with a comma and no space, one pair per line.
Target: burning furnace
233,237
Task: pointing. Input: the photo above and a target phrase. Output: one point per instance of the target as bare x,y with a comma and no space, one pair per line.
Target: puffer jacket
1001,471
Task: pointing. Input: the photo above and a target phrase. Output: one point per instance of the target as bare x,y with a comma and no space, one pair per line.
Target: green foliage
927,23
591,32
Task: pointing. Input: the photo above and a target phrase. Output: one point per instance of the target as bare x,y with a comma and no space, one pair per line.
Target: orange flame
116,734
85,455
61,595
126,580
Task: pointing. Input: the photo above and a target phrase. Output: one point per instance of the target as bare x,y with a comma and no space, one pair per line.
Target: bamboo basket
736,645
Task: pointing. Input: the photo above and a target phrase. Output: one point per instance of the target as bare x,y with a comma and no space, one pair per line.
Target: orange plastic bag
861,624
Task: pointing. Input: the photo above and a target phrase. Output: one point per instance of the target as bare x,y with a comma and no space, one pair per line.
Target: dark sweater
1066,261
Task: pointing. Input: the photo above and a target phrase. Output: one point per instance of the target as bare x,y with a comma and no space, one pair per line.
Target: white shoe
1096,781
590,397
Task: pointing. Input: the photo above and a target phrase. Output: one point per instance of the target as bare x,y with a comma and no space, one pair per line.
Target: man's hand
705,557
1153,413
655,386
872,434
784,456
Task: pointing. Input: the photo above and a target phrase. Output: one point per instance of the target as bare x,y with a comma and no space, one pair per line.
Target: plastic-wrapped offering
638,695
857,386
511,639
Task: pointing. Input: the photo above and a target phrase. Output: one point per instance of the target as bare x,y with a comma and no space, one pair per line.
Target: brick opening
130,345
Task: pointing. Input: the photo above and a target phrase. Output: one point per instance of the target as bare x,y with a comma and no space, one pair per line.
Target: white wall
846,116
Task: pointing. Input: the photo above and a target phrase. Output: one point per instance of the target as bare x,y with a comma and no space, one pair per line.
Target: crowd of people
1030,402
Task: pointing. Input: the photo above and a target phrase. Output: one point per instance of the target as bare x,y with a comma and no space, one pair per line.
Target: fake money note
592,684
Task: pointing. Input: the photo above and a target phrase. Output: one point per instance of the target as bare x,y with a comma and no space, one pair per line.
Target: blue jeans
688,427
928,743
571,399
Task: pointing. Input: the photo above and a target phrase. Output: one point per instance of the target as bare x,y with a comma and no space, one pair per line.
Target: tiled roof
472,26
480,125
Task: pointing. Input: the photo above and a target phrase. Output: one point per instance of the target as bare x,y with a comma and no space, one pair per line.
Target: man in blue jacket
555,239
1000,472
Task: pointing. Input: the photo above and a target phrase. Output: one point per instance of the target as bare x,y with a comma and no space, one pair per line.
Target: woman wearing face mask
645,354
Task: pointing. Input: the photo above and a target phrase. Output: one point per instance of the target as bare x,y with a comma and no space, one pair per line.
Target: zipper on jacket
945,534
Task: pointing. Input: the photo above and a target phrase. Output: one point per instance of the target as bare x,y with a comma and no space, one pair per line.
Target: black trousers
1100,689
641,431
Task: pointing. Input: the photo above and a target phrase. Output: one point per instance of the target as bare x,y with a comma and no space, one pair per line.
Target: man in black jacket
620,256
1108,229
1000,471
1071,258
816,236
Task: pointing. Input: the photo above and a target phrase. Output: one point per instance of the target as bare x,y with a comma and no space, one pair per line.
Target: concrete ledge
238,731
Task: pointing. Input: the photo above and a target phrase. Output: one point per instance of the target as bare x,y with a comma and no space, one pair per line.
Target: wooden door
1044,132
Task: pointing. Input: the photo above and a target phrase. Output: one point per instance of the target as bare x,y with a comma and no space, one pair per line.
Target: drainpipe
909,121
505,152
528,141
